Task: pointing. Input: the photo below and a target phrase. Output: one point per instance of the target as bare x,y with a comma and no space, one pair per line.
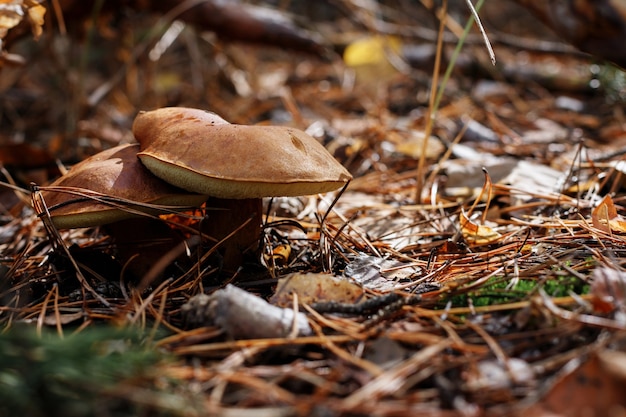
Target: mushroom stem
141,242
228,215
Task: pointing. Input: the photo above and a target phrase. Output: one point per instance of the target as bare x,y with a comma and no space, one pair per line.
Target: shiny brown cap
117,173
236,161
147,123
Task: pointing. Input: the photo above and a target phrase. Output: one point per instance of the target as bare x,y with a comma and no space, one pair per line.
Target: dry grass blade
130,206
389,381
42,212
492,55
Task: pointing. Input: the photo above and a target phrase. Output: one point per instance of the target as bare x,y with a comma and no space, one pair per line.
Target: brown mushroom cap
170,117
115,172
235,161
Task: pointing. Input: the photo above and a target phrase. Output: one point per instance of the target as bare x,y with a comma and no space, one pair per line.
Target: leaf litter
500,292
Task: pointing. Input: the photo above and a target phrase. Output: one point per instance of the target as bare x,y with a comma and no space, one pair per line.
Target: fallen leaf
369,58
14,11
371,50
313,288
604,217
608,289
280,255
10,16
593,388
36,13
476,234
380,274
411,144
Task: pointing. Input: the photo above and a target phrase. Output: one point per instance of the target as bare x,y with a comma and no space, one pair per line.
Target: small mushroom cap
237,161
171,117
116,172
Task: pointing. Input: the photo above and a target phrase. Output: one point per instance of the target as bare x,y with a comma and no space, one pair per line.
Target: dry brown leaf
10,16
476,234
594,388
608,289
36,14
605,217
380,274
12,12
312,288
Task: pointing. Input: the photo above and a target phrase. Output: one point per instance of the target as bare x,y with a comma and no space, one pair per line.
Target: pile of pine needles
510,232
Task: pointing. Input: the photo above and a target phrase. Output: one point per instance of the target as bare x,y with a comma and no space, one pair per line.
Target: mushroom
117,173
237,165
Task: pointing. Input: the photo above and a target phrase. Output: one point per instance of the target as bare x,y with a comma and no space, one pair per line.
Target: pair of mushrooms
186,157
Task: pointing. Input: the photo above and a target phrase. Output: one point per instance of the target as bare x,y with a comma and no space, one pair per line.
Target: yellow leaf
369,58
35,15
371,50
280,255
476,234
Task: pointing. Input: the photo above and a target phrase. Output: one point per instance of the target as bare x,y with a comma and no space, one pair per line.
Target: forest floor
500,239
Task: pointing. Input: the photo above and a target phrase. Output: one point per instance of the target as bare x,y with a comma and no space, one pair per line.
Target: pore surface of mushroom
115,173
236,164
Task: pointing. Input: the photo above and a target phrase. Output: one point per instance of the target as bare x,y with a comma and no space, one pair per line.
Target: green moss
499,290
612,80
79,375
